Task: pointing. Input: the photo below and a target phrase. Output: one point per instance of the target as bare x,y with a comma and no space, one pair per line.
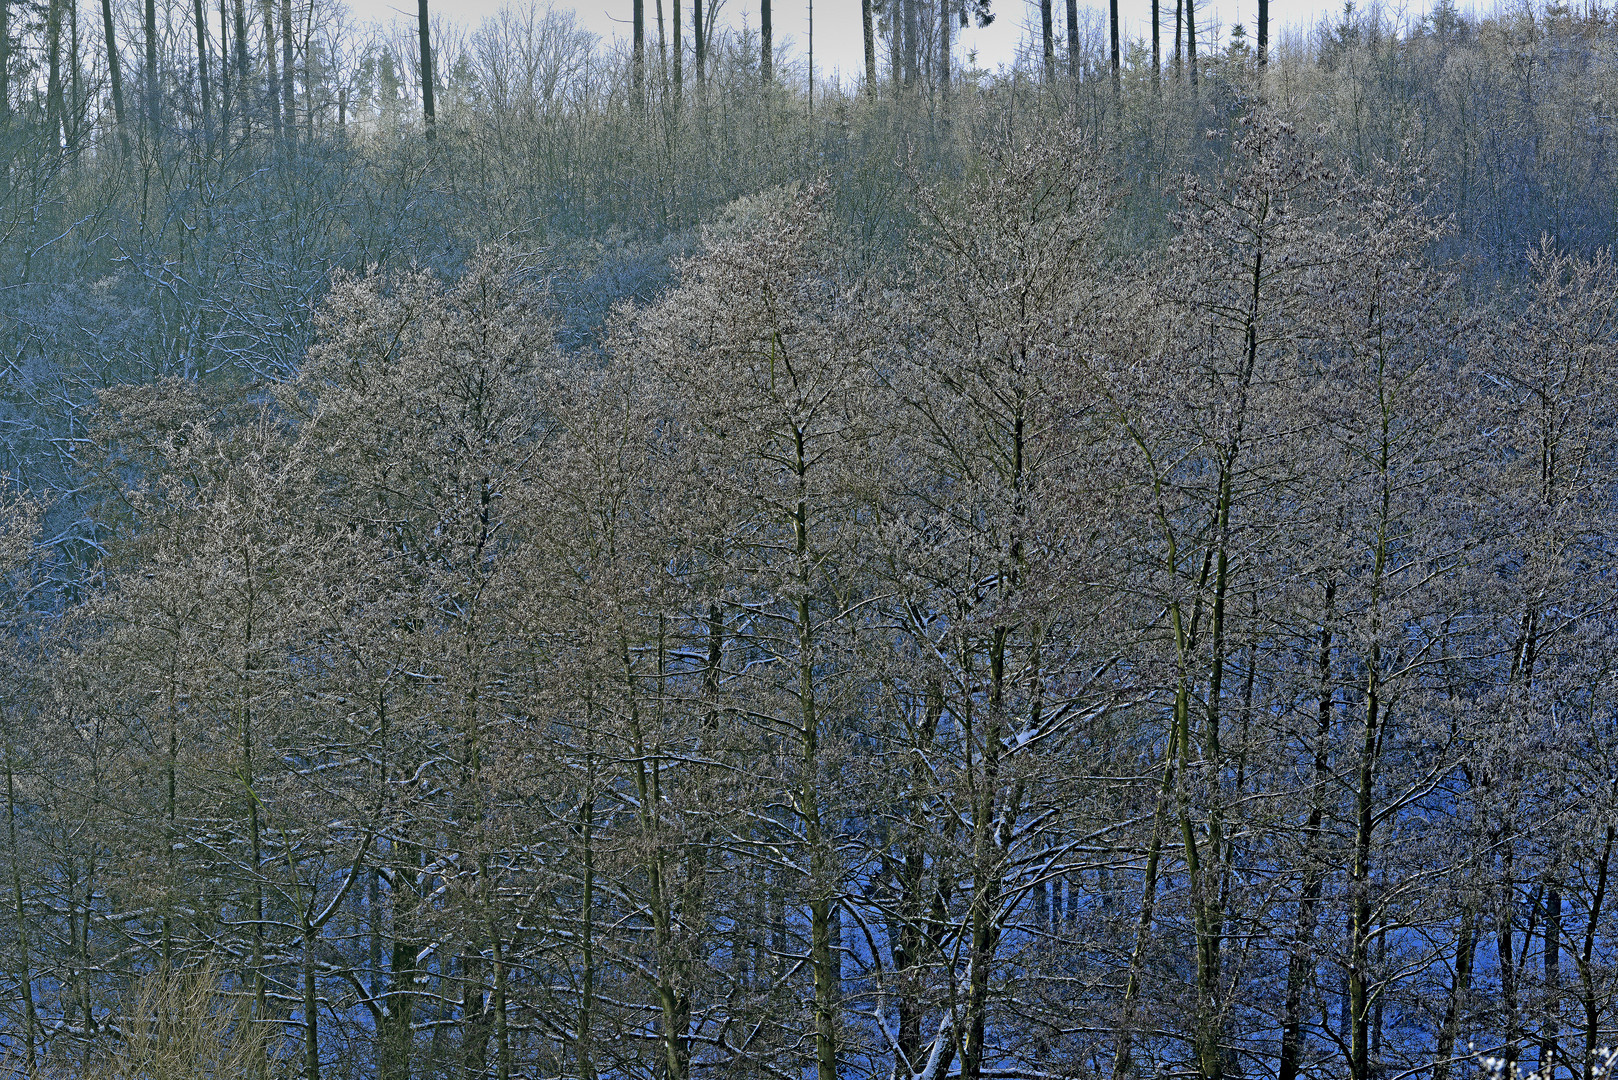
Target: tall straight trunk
1550,1031
1301,961
114,69
1123,1057
200,10
1157,46
1361,930
1047,37
868,29
154,92
75,70
766,44
395,1035
1589,992
679,53
699,42
1263,32
224,69
1179,31
289,67
944,48
427,112
1074,60
912,46
53,83
1362,917
1112,9
5,55
311,1009
583,1048
25,971
637,64
1466,945
1191,39
273,97
244,93
827,980
1505,921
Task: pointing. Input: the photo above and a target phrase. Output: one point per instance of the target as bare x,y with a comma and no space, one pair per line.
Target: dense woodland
613,561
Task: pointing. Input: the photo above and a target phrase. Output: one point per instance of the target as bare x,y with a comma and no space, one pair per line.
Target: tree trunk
1191,39
679,53
1112,9
1460,991
25,970
289,67
53,84
1301,961
201,13
243,84
1075,61
154,93
766,44
868,29
637,63
1047,36
5,58
1590,995
428,114
699,43
273,97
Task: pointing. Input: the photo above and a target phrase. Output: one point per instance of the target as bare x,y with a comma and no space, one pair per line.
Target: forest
526,556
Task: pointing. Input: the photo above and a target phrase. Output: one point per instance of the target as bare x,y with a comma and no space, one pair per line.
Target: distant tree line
1100,569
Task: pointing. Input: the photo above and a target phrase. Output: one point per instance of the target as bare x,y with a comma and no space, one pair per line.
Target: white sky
838,45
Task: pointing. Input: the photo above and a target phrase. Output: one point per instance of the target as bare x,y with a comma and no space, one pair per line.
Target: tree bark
428,114
1047,36
289,67
766,44
200,11
154,92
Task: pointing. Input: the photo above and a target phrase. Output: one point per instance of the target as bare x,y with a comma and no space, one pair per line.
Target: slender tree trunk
1191,39
224,69
1263,32
1047,37
1179,29
311,1010
1112,9
289,67
912,44
1460,992
1505,945
53,84
273,97
154,91
244,93
699,43
200,11
1075,62
1301,961
25,970
1157,46
5,56
1551,1026
427,113
637,64
1589,993
583,1048
868,29
944,49
766,44
679,54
